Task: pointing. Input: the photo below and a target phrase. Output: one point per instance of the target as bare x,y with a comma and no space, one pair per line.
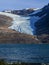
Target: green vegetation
3,62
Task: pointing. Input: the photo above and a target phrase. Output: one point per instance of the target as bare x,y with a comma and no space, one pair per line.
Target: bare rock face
5,21
42,25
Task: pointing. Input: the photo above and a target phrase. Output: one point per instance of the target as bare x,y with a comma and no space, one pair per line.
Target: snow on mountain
23,12
36,11
42,25
21,23
34,19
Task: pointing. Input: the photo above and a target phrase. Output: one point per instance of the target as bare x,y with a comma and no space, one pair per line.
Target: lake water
25,52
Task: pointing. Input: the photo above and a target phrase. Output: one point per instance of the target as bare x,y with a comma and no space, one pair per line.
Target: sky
21,4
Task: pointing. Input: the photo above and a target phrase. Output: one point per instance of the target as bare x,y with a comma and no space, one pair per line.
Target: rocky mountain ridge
42,25
23,12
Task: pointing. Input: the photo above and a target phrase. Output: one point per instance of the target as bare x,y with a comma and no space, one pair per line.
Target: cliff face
42,25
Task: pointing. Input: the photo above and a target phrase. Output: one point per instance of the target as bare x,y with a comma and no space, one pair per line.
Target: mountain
33,21
28,24
24,12
42,25
22,22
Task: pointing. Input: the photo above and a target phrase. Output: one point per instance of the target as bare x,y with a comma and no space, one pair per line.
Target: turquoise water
25,52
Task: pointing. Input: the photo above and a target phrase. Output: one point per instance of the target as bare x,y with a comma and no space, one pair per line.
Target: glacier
23,24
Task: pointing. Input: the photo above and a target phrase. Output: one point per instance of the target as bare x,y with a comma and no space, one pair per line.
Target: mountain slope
23,12
22,28
42,25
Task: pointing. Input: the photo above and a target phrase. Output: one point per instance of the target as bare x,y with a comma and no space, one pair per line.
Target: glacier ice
21,23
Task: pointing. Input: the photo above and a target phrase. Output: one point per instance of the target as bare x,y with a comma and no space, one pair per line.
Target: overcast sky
21,4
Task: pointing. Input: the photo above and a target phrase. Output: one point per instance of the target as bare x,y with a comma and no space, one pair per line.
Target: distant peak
36,8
